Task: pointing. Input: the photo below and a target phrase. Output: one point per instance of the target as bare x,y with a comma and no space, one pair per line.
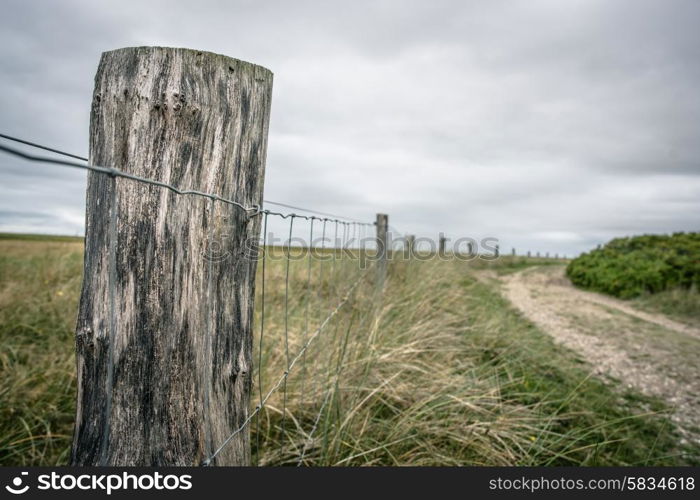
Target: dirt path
648,352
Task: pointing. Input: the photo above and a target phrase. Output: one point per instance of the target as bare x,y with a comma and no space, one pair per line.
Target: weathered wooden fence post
441,247
497,252
529,253
410,243
164,336
513,252
382,227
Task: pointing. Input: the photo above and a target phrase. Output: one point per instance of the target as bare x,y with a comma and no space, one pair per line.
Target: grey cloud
551,125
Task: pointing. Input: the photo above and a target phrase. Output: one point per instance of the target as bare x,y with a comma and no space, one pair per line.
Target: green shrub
630,267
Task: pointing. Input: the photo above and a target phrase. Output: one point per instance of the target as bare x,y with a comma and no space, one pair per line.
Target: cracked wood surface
184,287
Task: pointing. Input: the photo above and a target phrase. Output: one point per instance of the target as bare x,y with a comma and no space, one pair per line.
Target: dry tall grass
387,383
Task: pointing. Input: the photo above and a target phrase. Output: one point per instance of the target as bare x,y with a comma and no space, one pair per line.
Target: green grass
441,371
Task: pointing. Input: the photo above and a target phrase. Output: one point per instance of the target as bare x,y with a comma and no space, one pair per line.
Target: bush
630,267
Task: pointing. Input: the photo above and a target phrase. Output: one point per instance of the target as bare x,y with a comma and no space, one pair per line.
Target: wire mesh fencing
315,325
313,294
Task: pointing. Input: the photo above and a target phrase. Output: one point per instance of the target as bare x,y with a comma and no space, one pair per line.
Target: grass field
441,371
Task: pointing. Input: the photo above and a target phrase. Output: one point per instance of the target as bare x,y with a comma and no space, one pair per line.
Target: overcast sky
551,125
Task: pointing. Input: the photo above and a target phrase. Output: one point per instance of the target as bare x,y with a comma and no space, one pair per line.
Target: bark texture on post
382,227
171,379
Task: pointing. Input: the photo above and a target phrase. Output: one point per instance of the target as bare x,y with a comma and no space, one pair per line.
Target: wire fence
298,314
312,284
309,301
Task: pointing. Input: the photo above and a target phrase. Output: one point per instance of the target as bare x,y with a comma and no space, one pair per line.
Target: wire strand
306,312
41,146
286,320
285,205
118,173
262,331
